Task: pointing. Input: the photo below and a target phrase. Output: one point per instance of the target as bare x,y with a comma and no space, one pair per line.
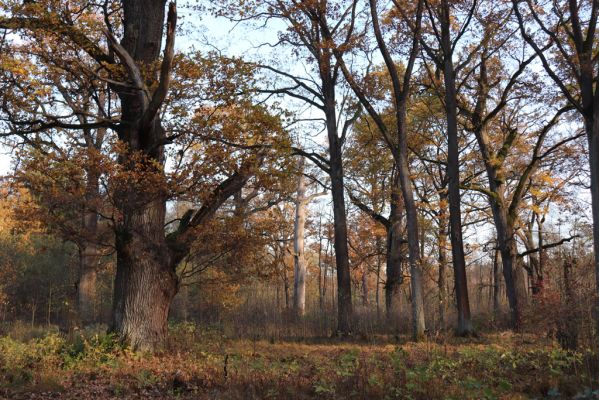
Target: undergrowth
200,364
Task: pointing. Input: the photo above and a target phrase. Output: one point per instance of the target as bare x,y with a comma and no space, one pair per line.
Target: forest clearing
251,199
208,365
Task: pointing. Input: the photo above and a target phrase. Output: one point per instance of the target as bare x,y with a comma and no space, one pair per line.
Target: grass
204,364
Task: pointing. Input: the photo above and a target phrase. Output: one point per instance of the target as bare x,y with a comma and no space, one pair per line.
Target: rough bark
344,298
378,284
418,323
509,255
394,251
567,332
540,262
90,251
534,268
365,286
286,287
521,282
321,269
146,282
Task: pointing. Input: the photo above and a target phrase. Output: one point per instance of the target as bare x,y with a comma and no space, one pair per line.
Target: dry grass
206,365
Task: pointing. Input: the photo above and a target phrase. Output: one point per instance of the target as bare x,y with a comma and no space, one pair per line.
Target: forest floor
207,365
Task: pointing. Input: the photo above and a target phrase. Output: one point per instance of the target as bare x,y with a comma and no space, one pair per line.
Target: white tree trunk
299,284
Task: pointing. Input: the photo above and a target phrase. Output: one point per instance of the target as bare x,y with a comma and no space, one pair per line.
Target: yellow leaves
16,204
536,209
546,178
17,66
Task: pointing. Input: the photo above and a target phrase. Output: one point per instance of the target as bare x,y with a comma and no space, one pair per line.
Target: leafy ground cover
207,365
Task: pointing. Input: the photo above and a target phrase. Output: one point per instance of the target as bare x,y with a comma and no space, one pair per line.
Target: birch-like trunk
299,281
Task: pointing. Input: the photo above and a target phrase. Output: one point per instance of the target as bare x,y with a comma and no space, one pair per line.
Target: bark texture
395,254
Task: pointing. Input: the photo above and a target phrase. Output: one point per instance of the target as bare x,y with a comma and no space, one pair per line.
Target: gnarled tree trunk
146,282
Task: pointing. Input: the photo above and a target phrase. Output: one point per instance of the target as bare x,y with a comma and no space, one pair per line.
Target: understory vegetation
206,363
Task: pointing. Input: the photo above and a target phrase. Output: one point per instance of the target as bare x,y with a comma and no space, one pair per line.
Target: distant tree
318,87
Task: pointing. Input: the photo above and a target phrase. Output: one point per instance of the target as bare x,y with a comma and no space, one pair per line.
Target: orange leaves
15,207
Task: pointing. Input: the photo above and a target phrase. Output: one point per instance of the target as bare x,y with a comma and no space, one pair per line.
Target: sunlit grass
206,364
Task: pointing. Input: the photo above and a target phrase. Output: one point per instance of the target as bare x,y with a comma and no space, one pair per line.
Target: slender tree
306,37
398,146
299,262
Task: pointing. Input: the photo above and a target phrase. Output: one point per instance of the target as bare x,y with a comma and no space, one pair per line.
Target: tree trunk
521,281
364,286
453,173
320,281
33,309
567,333
344,298
394,251
539,283
49,314
86,287
442,259
496,277
146,282
534,260
507,246
378,285
418,323
326,271
592,130
286,287
89,251
299,281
